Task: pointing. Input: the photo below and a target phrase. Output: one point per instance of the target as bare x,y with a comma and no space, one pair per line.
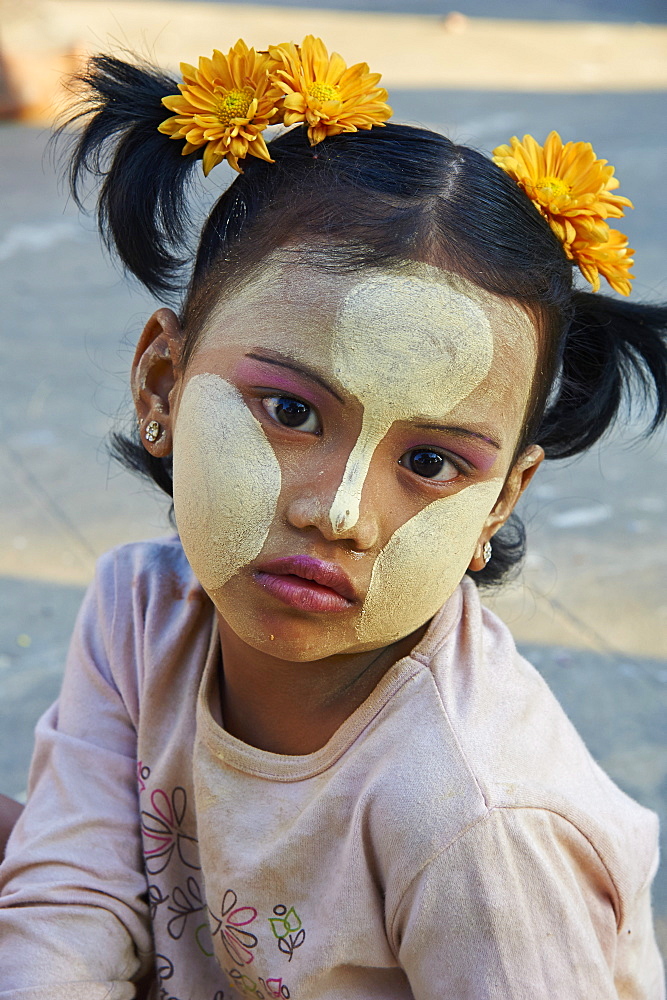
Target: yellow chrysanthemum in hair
323,92
224,105
611,258
573,190
564,180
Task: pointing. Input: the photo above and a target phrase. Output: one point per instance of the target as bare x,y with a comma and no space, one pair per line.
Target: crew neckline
286,767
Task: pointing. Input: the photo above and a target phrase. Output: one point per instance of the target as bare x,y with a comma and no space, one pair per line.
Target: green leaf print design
286,922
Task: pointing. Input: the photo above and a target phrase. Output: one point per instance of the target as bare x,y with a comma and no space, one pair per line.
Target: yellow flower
224,105
563,180
612,258
323,92
574,192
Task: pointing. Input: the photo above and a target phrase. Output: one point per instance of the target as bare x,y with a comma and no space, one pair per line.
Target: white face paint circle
411,346
407,347
226,480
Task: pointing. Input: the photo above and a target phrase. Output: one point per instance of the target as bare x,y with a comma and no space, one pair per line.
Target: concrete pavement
608,11
45,40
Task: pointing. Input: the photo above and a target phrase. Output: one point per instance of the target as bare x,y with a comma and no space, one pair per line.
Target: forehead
427,335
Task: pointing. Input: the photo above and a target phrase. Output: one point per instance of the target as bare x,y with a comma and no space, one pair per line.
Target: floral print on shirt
286,927
230,926
163,831
182,906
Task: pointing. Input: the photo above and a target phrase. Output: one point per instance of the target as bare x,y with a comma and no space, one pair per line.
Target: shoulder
525,752
150,604
141,577
152,562
485,736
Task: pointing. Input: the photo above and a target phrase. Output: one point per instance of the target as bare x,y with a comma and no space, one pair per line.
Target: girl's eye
292,413
430,465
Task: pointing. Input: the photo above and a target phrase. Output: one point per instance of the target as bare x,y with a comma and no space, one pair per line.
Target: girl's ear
155,380
518,479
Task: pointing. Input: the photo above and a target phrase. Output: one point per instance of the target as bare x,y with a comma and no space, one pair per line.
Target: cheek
423,562
226,480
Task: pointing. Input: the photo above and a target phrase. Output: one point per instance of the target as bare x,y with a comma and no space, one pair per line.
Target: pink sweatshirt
453,840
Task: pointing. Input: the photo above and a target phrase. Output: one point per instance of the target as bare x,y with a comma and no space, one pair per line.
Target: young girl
293,755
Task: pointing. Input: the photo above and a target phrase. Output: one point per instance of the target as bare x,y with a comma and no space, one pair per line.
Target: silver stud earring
153,431
486,552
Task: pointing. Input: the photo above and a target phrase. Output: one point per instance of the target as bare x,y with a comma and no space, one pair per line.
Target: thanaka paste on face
423,563
410,344
435,341
226,480
407,347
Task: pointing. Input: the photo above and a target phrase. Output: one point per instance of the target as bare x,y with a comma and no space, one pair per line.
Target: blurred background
590,608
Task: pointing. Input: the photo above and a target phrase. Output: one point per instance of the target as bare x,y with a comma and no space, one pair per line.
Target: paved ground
591,607
45,39
624,11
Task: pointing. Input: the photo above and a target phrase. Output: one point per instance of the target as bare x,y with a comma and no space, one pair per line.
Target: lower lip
303,594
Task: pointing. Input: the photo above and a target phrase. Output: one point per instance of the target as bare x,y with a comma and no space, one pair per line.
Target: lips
308,583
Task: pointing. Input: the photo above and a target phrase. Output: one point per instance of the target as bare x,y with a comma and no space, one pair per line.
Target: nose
344,512
311,507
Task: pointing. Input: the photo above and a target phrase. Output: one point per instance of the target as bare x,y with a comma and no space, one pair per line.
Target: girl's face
341,445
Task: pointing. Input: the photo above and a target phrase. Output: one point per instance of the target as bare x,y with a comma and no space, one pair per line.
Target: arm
73,919
519,907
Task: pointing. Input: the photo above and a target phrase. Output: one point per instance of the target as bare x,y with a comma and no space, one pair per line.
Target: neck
295,708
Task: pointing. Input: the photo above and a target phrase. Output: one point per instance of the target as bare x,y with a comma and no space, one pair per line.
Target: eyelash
461,469
267,401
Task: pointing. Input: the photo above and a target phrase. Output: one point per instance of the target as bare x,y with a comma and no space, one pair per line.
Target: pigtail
141,207
613,350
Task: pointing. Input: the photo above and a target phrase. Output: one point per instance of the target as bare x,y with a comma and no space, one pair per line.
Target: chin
294,642
284,633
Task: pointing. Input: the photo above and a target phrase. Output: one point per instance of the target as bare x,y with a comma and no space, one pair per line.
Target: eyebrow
282,362
275,358
460,432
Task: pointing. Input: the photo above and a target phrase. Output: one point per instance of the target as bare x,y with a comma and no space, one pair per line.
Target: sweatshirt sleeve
73,916
521,907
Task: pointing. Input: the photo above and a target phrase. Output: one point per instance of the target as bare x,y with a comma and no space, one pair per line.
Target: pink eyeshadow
275,378
480,458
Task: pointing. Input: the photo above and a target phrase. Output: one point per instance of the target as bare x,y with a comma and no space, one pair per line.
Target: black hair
368,198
